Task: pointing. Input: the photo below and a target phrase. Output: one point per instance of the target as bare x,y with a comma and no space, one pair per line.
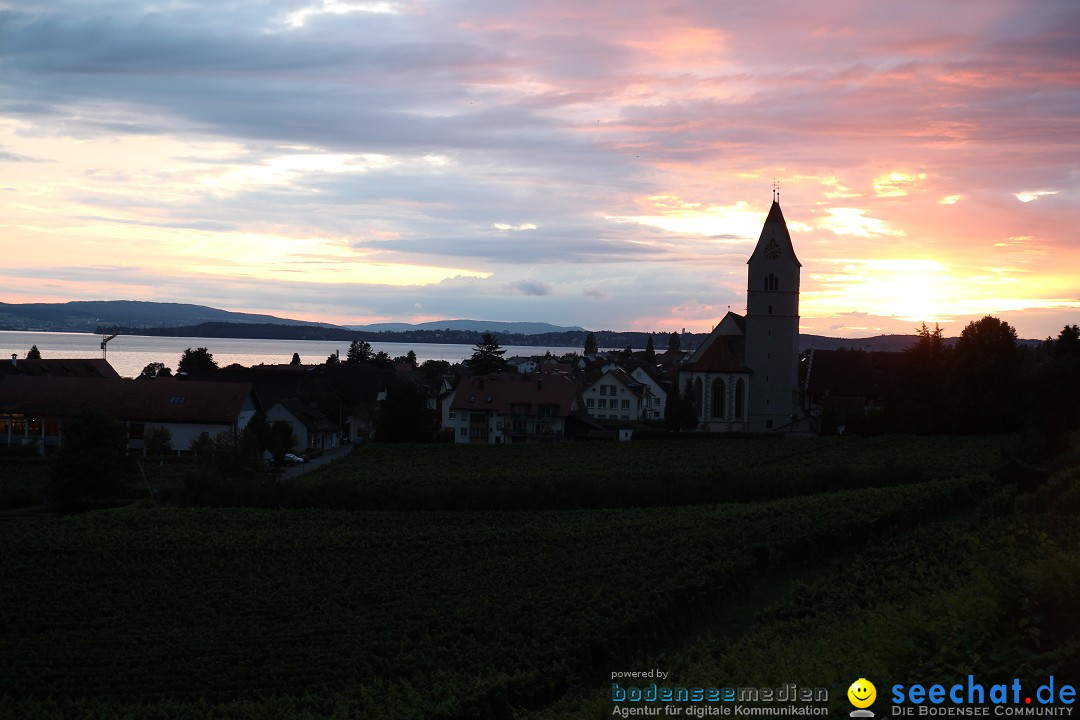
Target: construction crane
105,340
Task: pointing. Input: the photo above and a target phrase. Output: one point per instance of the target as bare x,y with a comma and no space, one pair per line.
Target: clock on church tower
772,249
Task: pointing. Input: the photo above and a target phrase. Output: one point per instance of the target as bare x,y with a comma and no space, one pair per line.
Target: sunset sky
602,164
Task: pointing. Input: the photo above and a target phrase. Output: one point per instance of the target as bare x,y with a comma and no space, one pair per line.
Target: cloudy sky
607,164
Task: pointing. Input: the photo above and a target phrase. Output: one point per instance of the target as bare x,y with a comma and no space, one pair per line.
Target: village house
311,428
655,390
33,409
58,367
511,407
842,384
614,395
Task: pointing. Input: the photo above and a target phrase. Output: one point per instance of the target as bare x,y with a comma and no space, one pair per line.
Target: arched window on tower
740,398
717,398
772,283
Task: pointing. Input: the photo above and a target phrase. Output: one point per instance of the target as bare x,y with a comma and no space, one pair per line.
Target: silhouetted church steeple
772,324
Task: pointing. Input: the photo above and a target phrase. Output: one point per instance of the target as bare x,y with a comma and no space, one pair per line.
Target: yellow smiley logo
862,693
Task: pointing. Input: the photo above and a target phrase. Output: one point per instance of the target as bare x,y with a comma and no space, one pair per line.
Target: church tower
772,326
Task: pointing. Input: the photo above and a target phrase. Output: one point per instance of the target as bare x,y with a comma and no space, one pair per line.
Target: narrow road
327,457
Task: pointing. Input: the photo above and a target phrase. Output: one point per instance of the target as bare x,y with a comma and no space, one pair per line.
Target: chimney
14,360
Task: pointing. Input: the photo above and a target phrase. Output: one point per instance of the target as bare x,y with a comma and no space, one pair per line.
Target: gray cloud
530,287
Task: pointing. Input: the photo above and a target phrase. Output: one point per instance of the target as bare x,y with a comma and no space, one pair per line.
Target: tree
158,442
295,359
487,356
650,351
679,410
359,352
673,342
918,398
1053,392
1068,341
590,344
333,359
434,368
281,440
34,353
199,360
404,415
985,374
155,369
227,472
92,462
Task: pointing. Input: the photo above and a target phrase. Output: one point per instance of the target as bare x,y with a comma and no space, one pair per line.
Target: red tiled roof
717,356
852,373
311,418
60,367
124,399
498,392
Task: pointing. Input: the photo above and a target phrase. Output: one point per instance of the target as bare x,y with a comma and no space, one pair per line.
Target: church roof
774,230
715,355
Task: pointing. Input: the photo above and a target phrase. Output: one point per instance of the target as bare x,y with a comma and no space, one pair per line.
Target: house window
478,432
602,403
589,402
464,432
453,414
625,404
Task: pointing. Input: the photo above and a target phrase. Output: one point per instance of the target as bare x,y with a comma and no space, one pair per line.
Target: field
937,567
667,472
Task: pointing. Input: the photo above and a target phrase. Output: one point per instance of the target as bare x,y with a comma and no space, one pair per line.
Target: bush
92,463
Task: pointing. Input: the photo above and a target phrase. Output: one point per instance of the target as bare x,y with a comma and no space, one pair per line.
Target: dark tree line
274,331
986,383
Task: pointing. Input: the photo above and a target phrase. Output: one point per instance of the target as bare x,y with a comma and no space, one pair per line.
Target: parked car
291,459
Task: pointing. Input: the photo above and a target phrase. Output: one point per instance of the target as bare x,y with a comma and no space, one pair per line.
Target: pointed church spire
775,240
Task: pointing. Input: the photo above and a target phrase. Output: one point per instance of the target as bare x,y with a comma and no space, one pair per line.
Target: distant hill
517,328
877,343
133,317
88,315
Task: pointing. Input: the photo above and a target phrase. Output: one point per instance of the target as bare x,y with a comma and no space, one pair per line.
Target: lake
129,354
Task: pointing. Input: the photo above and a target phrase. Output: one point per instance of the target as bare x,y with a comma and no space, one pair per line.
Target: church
745,376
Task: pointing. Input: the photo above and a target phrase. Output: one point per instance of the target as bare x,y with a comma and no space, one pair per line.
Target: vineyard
640,474
256,613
